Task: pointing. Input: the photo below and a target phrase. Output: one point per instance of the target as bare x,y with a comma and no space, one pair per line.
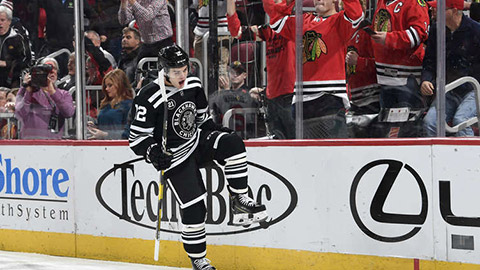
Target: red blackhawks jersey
280,63
280,58
324,46
362,78
406,23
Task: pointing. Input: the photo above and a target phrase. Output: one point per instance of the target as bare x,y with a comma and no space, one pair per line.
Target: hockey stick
161,184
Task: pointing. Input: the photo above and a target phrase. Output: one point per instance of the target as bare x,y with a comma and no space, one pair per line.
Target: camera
39,75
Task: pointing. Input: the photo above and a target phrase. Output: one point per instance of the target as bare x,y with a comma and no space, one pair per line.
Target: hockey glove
159,159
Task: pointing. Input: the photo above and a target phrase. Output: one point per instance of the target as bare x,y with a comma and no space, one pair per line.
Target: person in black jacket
463,59
14,51
60,26
130,46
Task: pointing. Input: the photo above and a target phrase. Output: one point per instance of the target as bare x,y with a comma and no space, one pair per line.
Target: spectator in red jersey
325,36
398,46
363,89
280,75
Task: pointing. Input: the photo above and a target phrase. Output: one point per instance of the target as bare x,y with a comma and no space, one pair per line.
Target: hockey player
325,36
193,139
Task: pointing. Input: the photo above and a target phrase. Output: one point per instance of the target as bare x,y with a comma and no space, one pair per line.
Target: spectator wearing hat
15,51
233,93
462,59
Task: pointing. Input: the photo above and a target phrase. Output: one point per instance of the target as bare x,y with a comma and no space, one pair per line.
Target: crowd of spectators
363,76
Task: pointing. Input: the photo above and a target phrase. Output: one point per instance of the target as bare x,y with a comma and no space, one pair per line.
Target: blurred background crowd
369,67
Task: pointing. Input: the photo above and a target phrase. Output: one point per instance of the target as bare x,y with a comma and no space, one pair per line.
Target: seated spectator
131,43
95,38
68,81
463,59
114,108
233,93
10,101
15,52
43,108
3,98
8,126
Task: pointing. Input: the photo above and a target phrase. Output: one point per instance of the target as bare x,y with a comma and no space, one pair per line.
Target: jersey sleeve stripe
140,129
135,140
356,22
154,97
202,110
278,25
413,36
416,36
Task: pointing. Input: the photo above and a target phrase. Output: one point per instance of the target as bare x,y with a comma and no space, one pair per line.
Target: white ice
30,261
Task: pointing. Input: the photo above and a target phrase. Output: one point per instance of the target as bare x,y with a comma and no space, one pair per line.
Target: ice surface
28,261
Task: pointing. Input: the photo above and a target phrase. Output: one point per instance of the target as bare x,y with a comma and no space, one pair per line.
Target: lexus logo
377,212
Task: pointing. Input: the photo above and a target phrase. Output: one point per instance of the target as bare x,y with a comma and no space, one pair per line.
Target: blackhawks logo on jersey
422,3
313,46
184,120
382,21
203,3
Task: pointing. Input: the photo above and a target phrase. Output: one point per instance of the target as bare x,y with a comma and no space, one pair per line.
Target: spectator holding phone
114,108
40,106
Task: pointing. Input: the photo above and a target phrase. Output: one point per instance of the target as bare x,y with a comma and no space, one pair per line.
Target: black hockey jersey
187,111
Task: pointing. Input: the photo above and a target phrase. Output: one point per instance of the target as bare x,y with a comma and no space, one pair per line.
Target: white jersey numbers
140,113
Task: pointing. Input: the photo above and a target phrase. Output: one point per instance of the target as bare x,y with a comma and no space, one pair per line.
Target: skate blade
245,219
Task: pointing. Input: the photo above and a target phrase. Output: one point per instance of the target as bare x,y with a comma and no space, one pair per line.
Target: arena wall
333,204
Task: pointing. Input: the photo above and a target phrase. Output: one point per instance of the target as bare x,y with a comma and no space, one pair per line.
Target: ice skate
246,211
202,264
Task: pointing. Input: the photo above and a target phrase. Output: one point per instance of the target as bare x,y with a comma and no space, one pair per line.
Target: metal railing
472,120
231,120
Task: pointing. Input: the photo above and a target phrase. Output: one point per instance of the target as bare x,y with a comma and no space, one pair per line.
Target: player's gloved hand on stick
159,159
